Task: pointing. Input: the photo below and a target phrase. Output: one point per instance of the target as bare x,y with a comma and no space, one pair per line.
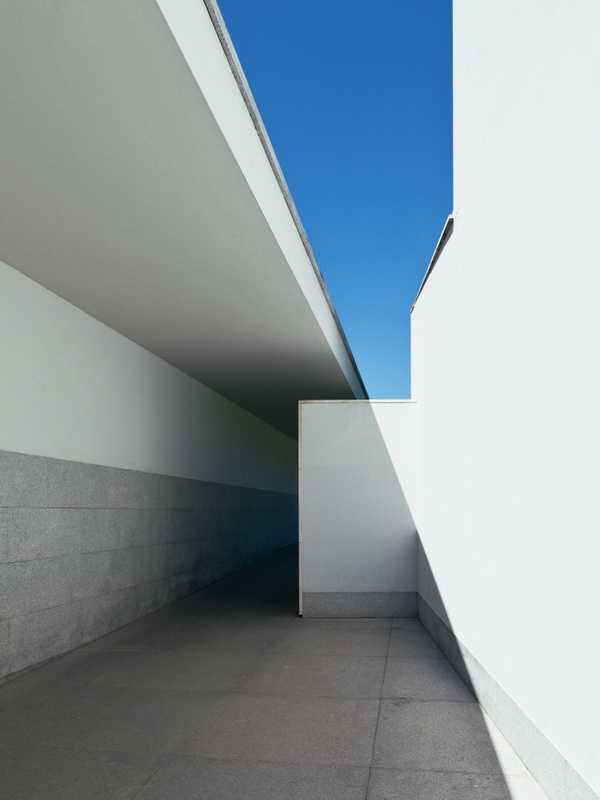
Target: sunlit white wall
506,365
357,473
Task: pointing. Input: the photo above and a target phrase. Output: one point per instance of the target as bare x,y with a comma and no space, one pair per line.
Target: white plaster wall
72,388
356,466
506,355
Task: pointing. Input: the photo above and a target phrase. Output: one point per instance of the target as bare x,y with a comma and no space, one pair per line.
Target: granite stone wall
85,549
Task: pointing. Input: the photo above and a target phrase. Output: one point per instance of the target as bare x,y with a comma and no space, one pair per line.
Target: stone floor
228,695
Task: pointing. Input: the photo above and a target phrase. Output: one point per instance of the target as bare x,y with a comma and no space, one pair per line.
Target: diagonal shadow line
443,750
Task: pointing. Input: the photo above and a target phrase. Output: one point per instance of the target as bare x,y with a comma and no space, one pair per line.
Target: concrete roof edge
240,78
441,243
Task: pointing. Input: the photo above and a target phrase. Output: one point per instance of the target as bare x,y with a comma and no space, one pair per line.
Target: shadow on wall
554,774
458,752
469,742
360,558
358,536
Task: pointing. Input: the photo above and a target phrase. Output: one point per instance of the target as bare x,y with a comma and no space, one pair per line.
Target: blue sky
357,102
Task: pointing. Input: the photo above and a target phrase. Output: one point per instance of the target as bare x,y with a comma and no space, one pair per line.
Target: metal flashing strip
238,73
441,243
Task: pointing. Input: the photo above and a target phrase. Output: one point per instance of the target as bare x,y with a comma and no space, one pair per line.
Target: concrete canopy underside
136,186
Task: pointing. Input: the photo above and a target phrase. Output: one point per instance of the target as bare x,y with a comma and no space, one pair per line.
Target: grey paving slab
229,694
439,736
206,672
33,687
201,636
407,624
315,676
290,729
304,637
393,784
413,644
51,773
128,720
226,602
189,778
424,679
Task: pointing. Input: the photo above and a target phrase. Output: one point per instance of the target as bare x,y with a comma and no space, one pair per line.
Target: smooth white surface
357,532
72,388
506,355
134,184
189,21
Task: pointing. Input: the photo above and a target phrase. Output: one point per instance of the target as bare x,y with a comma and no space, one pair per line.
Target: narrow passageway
229,695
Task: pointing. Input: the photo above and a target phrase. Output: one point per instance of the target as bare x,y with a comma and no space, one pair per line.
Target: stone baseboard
554,774
359,604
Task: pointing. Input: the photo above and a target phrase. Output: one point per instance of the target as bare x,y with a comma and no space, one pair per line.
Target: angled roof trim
441,243
240,78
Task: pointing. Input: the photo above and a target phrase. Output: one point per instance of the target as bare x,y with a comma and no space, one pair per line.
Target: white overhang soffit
138,182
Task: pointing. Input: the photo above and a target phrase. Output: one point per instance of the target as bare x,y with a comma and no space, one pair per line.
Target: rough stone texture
85,549
181,776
